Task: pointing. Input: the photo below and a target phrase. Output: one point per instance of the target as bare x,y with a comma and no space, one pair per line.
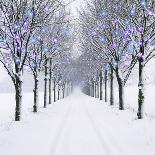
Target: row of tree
116,36
36,35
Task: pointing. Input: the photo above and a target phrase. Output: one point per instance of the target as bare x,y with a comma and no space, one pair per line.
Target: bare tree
142,17
140,21
107,36
19,19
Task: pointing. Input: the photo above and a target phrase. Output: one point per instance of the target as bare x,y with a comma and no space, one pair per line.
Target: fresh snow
76,125
131,99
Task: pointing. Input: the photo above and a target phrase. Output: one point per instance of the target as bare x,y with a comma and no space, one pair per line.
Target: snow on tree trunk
141,84
111,87
101,79
36,93
106,79
18,96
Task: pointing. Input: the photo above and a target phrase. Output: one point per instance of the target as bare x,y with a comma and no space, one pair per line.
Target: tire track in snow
107,139
61,128
66,141
64,144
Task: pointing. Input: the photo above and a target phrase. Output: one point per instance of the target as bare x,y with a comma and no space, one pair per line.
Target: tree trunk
121,94
18,97
68,88
106,79
95,90
141,85
50,82
54,90
120,89
71,87
63,91
45,85
35,106
98,90
101,79
111,87
89,90
58,93
140,92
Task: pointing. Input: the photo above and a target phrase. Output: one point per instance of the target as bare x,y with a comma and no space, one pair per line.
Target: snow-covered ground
7,108
77,125
131,99
6,85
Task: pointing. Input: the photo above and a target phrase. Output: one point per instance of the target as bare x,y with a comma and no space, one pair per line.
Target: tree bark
121,94
141,85
111,87
120,89
18,96
95,90
89,90
106,79
71,87
98,90
18,92
68,88
50,82
54,90
35,106
101,80
63,91
45,85
58,93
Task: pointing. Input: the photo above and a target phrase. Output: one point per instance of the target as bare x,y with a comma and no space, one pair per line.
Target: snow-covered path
79,125
79,133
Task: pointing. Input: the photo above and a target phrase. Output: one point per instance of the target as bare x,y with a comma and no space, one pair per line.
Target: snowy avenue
77,77
79,125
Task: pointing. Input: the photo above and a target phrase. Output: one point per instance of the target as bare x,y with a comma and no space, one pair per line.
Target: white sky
76,4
